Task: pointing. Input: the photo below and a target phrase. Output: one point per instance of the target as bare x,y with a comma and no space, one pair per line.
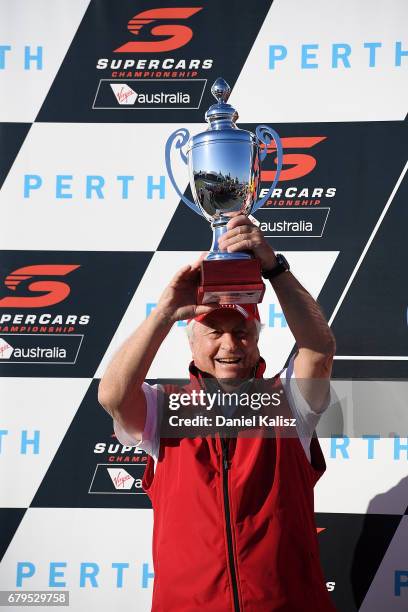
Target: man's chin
232,375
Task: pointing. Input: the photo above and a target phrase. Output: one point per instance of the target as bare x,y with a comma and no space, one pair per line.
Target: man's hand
243,235
178,300
120,390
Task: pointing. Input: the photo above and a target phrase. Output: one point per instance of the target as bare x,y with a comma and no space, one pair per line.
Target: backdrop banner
92,230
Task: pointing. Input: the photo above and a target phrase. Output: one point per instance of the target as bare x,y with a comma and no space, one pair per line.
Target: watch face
282,261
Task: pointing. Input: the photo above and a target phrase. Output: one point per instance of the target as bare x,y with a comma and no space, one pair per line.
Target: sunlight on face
225,345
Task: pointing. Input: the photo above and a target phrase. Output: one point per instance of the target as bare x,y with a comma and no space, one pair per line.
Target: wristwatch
281,266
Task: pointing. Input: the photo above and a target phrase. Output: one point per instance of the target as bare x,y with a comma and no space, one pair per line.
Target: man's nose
228,341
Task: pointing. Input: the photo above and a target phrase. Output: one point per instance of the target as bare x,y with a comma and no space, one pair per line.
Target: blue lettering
37,58
54,574
3,49
125,185
120,567
277,53
146,575
399,53
3,432
370,450
90,575
61,185
25,569
398,447
341,51
400,581
31,181
160,186
94,183
372,46
307,55
26,441
339,443
276,315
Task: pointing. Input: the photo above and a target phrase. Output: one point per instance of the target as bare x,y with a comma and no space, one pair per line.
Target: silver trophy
224,167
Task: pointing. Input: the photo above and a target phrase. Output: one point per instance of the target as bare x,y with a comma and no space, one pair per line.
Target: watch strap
281,266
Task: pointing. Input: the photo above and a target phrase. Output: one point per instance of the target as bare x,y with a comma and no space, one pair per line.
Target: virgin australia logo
124,94
121,478
6,350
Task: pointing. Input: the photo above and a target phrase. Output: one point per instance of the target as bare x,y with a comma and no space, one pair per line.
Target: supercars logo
301,163
52,291
177,35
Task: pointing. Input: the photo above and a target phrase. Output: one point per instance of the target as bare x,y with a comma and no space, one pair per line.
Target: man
233,518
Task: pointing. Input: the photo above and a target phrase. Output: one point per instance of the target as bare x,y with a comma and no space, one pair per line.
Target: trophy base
229,281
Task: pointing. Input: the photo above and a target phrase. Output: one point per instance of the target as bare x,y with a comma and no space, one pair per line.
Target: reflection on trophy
224,168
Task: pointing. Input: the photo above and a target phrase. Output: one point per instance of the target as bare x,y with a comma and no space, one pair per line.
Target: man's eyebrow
240,325
210,328
213,328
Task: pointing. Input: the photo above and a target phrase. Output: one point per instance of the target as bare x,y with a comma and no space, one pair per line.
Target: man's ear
190,336
258,351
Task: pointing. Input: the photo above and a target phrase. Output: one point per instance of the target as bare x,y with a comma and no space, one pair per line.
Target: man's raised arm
314,339
120,389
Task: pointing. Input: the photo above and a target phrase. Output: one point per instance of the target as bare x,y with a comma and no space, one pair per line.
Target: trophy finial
221,115
221,90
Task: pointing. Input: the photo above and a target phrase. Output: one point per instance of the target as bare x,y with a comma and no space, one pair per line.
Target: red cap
248,311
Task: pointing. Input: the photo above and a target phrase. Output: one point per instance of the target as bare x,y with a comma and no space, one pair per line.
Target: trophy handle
181,136
264,134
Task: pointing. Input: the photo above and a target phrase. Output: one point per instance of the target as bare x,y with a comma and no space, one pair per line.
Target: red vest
234,527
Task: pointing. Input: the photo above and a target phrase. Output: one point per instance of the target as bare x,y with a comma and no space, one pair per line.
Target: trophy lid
221,115
221,118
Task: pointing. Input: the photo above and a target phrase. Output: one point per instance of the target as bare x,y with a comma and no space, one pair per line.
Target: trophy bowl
224,179
224,169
